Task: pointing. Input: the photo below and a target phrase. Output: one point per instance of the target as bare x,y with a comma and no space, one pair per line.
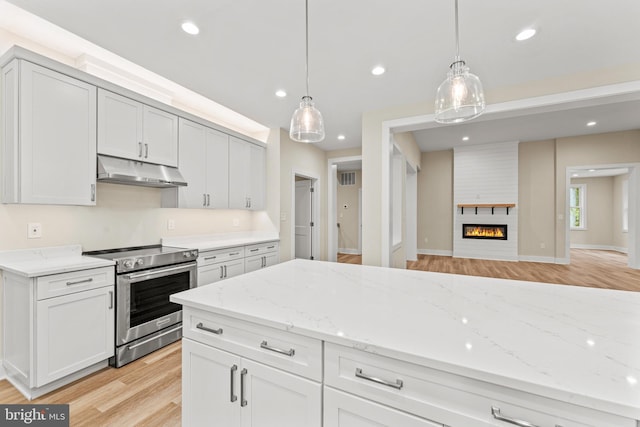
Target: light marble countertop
208,242
50,260
575,344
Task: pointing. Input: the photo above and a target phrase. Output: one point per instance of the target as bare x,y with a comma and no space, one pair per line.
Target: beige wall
536,199
308,160
409,148
348,217
372,122
590,150
599,219
435,203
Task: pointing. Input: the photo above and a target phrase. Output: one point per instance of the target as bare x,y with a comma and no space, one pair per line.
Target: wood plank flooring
147,392
144,393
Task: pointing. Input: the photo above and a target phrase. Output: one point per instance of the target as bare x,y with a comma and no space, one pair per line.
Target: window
625,206
578,206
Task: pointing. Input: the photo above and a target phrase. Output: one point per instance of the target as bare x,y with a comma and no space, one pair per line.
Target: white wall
485,174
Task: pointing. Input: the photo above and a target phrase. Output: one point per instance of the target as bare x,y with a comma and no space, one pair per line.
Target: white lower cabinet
220,388
220,264
346,410
261,256
57,327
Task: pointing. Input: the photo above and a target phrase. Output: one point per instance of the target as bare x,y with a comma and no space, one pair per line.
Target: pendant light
307,124
460,96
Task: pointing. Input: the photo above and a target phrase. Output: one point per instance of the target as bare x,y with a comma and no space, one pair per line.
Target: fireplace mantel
485,205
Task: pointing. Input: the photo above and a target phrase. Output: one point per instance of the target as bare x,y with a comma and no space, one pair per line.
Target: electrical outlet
34,230
171,224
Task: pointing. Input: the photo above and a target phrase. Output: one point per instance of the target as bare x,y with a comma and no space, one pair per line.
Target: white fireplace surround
485,175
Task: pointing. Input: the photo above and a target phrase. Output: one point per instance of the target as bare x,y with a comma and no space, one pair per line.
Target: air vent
348,178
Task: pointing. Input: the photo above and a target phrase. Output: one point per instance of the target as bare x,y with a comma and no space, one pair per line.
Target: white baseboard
541,259
600,247
435,252
563,261
3,374
515,259
349,251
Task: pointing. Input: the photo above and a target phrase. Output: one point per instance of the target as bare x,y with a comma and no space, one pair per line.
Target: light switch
34,230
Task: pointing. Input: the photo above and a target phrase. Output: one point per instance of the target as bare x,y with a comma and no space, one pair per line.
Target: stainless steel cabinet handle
93,192
89,280
110,300
221,272
264,261
249,201
213,331
270,247
204,199
254,250
495,411
233,397
291,352
139,149
210,258
234,254
208,199
397,385
146,151
131,347
243,401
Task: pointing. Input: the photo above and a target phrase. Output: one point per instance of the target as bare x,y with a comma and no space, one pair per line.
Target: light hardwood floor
147,392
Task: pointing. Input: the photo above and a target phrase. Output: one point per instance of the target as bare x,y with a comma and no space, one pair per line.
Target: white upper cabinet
49,150
132,130
204,163
246,175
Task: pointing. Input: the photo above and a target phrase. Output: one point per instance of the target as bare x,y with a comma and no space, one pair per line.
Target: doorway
345,208
305,214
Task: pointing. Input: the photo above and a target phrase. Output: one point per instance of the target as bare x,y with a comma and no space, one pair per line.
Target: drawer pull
243,401
270,247
254,250
397,385
232,387
291,352
213,331
210,258
89,280
495,411
234,253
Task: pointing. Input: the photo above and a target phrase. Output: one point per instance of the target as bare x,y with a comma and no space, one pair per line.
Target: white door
346,410
276,398
73,332
304,219
210,386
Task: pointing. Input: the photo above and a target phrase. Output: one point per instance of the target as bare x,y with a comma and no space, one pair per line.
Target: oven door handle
131,347
162,271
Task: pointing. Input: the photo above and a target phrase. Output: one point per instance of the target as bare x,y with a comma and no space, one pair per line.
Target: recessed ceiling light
592,170
592,123
190,28
465,138
378,70
341,137
281,93
526,34
575,175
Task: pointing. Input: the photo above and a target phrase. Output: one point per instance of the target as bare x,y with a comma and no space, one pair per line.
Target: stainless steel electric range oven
145,278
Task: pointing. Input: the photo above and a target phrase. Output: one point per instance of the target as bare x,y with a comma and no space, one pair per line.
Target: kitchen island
315,343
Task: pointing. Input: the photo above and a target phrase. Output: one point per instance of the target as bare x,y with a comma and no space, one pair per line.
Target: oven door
143,305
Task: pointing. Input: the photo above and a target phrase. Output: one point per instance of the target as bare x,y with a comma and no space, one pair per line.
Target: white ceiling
247,49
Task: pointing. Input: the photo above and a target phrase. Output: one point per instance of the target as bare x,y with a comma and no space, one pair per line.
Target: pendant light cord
306,17
457,35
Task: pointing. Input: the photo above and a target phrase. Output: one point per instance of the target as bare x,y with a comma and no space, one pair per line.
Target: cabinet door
160,137
192,165
346,410
253,263
210,381
239,173
217,175
73,332
234,268
276,398
271,258
210,273
119,126
57,146
257,177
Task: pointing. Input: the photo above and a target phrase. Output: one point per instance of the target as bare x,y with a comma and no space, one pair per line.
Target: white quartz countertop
575,344
51,260
209,242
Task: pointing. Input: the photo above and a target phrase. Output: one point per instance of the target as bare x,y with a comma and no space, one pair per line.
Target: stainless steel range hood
131,172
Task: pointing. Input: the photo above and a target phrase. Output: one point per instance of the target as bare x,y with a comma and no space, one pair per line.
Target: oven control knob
139,261
128,263
194,254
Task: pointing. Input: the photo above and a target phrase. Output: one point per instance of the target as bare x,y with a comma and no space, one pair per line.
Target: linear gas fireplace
484,231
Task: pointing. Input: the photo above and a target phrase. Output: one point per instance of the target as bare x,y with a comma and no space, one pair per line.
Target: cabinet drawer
76,281
450,399
261,248
285,350
220,255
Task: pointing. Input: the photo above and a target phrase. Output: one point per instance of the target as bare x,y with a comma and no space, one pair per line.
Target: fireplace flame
483,232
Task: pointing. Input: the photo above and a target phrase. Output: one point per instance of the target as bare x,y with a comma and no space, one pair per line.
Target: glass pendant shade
460,97
307,124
